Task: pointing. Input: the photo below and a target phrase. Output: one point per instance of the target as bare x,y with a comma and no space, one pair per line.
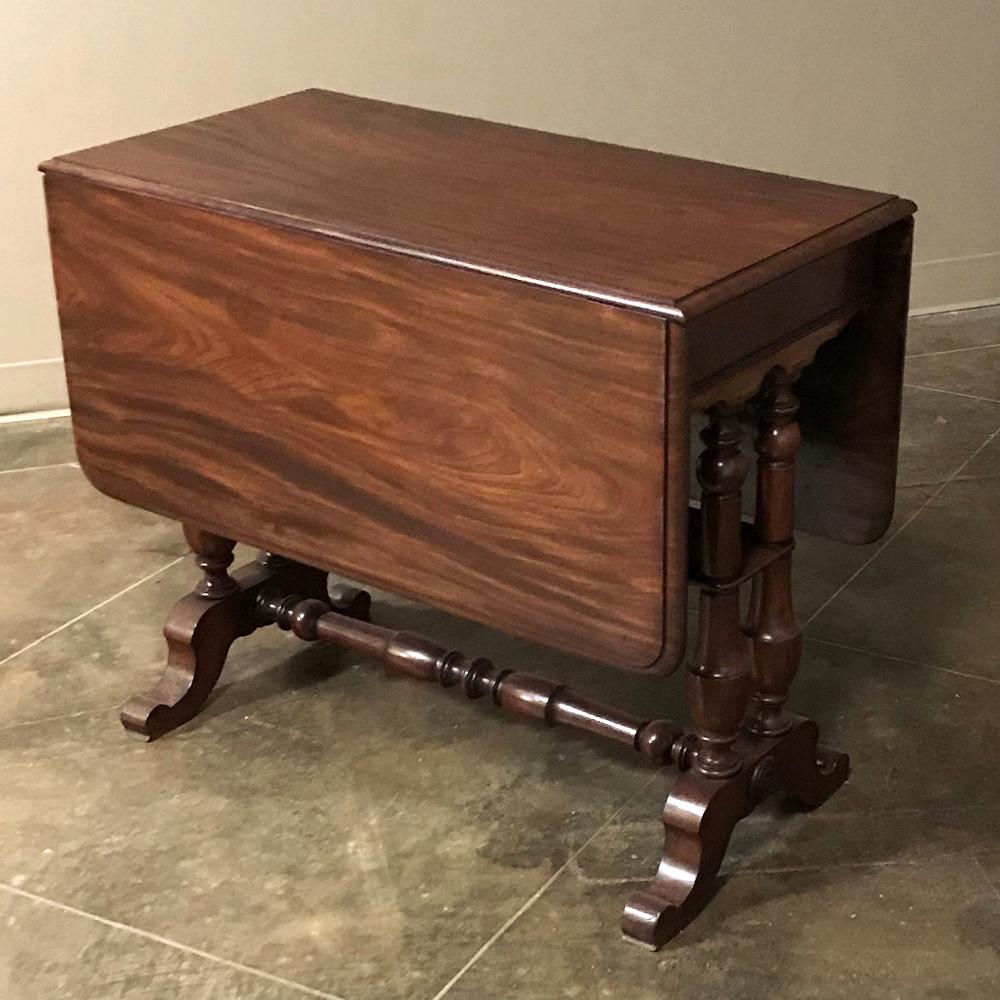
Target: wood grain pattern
493,449
665,233
458,360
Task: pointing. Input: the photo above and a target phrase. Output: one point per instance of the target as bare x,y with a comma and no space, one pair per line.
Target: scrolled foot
808,772
698,819
199,632
700,814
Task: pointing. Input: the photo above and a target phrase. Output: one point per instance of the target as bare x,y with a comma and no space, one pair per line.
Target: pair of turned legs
744,745
738,677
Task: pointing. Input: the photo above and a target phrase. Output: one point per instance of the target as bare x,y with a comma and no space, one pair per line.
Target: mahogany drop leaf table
461,361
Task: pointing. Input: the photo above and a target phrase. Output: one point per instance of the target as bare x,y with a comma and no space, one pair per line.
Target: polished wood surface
718,679
491,448
204,624
746,746
738,260
416,655
460,360
777,637
661,232
700,814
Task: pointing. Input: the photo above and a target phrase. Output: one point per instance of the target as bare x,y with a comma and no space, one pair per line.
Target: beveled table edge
679,311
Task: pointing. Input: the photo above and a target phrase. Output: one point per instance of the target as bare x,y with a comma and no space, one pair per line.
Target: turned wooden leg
213,556
777,637
707,802
814,773
205,623
735,767
719,674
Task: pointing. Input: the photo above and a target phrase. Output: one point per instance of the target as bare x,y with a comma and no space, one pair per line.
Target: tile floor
284,845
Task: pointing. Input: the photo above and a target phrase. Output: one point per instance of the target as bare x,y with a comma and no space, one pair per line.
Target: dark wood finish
733,770
851,402
700,814
630,227
214,556
735,383
701,811
766,318
494,449
777,637
203,625
623,225
718,680
659,740
458,360
755,554
586,557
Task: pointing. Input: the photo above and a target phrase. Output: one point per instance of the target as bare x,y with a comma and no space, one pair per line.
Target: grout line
98,710
902,659
952,350
21,418
955,473
923,484
41,468
504,927
951,392
979,479
949,309
749,870
510,921
89,611
168,942
884,863
937,482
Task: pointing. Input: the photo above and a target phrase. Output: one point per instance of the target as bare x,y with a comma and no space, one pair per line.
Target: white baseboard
20,418
955,283
955,307
27,386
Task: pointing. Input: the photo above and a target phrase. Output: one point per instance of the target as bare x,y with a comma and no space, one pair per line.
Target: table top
315,325
658,232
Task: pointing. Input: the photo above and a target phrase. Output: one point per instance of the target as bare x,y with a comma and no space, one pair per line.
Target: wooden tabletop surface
616,224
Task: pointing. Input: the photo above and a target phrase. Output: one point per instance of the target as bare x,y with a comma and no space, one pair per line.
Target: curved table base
699,817
200,630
